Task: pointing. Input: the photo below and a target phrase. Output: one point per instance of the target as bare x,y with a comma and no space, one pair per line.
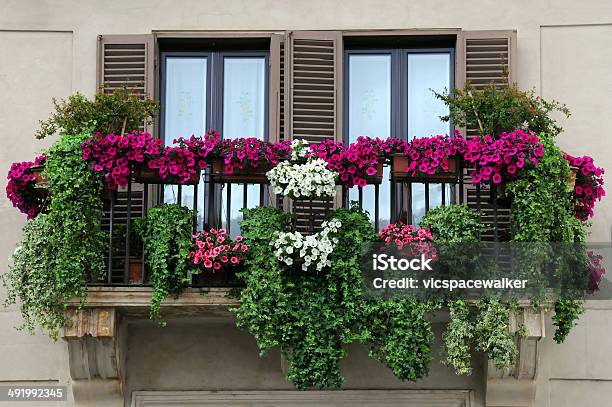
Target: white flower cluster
314,249
299,149
308,180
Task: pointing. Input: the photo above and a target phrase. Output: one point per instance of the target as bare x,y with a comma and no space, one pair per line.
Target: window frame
215,73
398,108
399,78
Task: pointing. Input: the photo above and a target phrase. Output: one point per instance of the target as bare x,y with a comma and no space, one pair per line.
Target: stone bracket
91,337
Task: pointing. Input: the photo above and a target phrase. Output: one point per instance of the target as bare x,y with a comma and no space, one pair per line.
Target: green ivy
399,335
542,211
166,233
106,113
60,251
453,224
458,338
492,333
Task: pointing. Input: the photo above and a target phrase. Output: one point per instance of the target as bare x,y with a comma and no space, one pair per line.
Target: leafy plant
492,333
399,335
166,234
458,338
453,224
497,108
107,113
69,240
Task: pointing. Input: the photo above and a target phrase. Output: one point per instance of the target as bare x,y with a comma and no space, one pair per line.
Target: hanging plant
24,188
310,180
588,187
492,333
311,251
166,233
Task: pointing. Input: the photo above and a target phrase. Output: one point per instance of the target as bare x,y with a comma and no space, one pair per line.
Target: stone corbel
516,387
92,343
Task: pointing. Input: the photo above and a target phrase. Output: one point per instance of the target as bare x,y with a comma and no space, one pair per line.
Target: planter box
143,174
375,179
400,163
41,182
571,181
221,278
255,175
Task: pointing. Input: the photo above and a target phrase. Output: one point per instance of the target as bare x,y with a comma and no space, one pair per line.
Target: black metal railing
214,201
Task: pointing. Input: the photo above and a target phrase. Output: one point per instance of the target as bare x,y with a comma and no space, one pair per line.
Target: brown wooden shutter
313,85
484,57
126,61
312,78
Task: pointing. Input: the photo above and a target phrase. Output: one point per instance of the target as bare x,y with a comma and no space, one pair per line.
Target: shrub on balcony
166,233
501,108
107,113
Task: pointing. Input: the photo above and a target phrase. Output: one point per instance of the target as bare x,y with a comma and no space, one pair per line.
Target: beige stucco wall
48,49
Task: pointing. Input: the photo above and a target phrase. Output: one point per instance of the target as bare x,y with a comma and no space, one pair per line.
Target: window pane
369,96
370,115
185,114
244,81
244,98
427,72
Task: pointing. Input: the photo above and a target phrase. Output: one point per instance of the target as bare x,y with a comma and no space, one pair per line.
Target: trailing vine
166,234
458,338
542,211
60,251
492,333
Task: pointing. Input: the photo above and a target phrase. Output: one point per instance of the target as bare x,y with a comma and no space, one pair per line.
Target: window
388,93
221,90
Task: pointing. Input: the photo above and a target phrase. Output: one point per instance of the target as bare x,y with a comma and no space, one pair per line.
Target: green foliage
106,113
166,233
453,224
492,335
399,335
496,109
542,208
62,249
566,314
311,316
542,211
458,338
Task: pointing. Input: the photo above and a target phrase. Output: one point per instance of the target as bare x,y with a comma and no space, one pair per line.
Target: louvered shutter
485,57
126,61
312,77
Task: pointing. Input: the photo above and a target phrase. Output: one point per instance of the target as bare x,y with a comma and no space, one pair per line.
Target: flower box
251,174
375,179
36,170
399,171
571,181
143,174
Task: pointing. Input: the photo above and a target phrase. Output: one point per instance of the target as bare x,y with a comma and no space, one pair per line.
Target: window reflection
244,83
427,72
370,115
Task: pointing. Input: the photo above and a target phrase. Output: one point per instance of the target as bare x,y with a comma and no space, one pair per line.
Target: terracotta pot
400,163
251,174
36,170
571,181
135,271
144,174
